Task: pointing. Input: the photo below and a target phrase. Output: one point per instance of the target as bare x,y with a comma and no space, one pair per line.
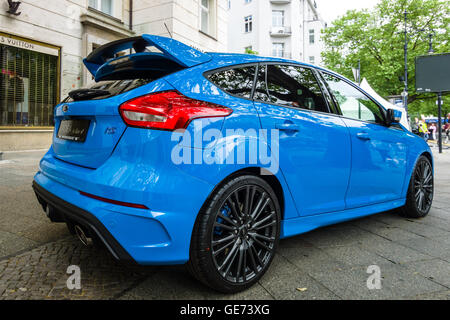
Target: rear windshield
114,88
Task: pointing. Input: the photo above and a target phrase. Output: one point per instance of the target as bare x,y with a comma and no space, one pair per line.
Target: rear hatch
88,124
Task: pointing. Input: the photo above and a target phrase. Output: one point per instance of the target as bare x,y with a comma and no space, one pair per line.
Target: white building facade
280,28
43,43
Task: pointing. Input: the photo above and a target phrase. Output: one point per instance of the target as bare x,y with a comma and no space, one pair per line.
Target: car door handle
287,127
363,136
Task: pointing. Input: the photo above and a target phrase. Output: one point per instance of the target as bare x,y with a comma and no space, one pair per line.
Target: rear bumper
144,236
69,212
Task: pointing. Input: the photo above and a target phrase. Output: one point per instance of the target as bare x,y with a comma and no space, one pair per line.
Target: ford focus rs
176,156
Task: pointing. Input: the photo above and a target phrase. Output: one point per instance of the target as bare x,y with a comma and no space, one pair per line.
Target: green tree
250,51
376,38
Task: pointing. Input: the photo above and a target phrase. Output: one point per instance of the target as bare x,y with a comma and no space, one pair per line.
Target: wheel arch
269,177
429,156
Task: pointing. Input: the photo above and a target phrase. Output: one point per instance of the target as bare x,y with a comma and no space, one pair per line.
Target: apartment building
43,42
280,28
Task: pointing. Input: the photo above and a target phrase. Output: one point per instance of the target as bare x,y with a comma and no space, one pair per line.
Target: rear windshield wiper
85,94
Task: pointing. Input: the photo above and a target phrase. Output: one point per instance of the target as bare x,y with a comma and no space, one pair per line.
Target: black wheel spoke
229,258
252,259
247,200
227,219
260,236
234,210
261,244
264,226
239,264
222,240
258,206
224,226
256,224
226,245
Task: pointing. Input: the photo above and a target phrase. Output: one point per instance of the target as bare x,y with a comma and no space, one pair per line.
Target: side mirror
393,116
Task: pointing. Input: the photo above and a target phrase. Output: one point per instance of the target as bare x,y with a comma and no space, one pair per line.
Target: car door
314,145
378,151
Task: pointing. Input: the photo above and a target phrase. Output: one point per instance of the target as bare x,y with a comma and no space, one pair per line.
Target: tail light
168,110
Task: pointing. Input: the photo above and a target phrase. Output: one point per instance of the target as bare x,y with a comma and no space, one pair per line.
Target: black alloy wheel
235,239
421,190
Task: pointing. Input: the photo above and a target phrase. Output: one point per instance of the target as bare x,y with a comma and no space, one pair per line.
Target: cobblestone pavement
329,263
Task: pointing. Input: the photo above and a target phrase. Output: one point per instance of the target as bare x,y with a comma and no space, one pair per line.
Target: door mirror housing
393,116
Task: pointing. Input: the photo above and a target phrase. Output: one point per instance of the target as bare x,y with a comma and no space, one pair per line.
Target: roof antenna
168,30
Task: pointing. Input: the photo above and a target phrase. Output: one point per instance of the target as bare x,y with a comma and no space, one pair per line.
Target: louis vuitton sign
28,45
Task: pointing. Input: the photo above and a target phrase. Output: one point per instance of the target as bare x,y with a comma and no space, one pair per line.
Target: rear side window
290,86
237,81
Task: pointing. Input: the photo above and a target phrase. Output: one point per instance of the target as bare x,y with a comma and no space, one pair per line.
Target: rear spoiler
171,49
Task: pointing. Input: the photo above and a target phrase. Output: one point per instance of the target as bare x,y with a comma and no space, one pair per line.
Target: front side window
248,23
277,18
353,103
290,86
105,6
238,81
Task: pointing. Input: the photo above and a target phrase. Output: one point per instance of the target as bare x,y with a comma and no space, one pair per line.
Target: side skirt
292,227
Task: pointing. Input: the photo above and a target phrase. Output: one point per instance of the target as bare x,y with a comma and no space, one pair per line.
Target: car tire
235,235
420,190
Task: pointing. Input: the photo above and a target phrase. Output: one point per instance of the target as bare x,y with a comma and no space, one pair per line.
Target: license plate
74,130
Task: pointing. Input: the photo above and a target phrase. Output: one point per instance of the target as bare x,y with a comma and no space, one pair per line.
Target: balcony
280,1
280,31
284,54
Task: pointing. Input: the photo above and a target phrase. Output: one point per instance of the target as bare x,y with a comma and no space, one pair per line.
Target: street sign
433,73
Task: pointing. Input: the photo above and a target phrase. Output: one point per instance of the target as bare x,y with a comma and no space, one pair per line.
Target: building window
311,59
278,50
208,17
311,36
248,23
105,6
28,86
277,18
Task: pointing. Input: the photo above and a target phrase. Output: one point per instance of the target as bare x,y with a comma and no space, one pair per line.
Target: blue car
175,156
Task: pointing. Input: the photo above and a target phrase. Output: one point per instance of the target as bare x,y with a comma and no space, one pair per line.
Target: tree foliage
376,38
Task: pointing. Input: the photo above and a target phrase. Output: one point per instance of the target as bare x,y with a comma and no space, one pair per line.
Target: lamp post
405,92
430,37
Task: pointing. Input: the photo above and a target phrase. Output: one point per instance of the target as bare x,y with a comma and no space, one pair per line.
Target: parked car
119,171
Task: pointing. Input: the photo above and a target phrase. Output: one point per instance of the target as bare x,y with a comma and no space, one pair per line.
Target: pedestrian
446,132
423,130
433,129
415,126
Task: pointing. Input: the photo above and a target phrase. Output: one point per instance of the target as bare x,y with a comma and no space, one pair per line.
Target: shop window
28,87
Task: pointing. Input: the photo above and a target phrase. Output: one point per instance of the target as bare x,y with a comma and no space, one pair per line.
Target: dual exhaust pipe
83,235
